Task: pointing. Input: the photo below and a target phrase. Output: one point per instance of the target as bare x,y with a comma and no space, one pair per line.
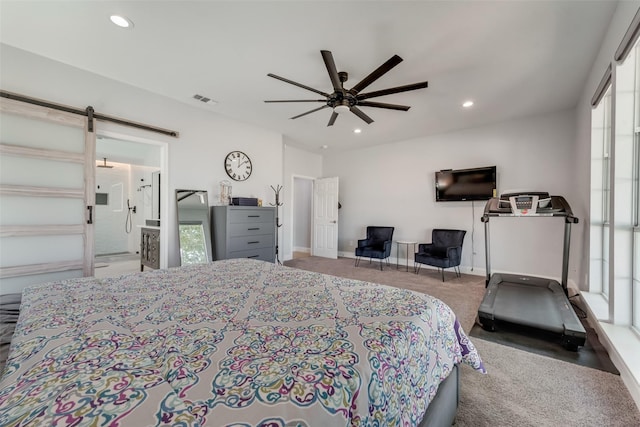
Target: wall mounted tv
466,184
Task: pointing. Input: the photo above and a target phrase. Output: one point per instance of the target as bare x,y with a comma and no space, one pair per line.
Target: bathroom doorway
128,197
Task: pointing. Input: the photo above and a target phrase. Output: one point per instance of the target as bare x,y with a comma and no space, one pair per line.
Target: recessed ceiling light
357,130
121,21
324,147
467,104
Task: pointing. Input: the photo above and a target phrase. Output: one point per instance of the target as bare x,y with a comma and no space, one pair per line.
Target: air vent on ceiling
204,99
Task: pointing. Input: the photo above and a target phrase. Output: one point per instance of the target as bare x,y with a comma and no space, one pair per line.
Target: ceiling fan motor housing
344,98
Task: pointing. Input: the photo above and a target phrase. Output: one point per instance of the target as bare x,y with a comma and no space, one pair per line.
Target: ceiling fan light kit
342,100
341,108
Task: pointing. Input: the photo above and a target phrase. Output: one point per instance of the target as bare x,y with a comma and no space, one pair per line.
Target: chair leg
357,261
416,268
442,271
380,264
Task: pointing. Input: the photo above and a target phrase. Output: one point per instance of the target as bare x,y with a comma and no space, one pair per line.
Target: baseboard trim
402,262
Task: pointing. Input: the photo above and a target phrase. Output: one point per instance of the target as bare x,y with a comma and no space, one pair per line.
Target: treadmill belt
533,306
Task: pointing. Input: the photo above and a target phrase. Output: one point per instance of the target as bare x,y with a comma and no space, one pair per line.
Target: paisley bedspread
234,343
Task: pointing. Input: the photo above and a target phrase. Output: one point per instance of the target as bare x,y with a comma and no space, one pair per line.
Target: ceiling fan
342,100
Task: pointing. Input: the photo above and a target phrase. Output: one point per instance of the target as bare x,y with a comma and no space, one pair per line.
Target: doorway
302,216
126,190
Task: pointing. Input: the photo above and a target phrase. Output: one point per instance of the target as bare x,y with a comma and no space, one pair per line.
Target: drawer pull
252,229
254,256
253,216
251,243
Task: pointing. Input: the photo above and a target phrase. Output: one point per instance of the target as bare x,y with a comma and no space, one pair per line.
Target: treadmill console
531,203
524,204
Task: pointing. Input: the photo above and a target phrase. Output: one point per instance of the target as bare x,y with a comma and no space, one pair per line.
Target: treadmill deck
530,301
537,308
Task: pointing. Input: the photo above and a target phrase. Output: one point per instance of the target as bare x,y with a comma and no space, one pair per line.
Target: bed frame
444,406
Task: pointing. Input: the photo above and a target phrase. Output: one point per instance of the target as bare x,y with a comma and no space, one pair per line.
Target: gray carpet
521,388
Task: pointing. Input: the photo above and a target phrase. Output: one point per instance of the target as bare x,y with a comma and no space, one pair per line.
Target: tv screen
466,184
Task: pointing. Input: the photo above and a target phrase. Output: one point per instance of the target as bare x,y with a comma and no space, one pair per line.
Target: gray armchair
376,245
444,251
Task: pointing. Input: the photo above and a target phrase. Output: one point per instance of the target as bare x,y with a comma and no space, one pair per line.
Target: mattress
235,343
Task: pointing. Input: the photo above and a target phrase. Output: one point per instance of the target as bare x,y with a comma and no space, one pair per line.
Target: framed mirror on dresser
194,230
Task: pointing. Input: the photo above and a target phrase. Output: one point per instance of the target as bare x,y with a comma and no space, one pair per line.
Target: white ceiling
513,58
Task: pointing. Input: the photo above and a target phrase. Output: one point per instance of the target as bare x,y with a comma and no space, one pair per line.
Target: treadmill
530,301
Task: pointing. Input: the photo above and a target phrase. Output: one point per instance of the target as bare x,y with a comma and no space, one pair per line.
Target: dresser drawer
263,254
240,243
251,229
251,215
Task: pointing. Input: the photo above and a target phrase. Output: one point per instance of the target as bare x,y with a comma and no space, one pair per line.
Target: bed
234,343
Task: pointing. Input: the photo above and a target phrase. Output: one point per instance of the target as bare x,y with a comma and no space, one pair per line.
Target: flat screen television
466,184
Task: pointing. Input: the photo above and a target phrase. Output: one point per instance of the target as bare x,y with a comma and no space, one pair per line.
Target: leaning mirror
194,232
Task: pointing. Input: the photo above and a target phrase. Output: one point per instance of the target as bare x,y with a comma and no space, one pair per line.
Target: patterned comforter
234,343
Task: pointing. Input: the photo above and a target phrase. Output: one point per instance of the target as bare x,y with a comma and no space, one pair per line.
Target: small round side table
406,243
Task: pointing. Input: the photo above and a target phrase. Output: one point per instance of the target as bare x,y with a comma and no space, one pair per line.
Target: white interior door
325,217
46,186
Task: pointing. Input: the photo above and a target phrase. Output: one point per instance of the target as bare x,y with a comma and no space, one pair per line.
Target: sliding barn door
46,195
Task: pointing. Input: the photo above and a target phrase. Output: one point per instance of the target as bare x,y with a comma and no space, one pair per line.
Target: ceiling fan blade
389,91
297,100
327,56
358,112
383,105
332,119
309,112
298,84
376,74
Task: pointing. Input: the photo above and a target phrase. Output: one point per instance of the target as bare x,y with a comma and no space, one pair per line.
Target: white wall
195,158
393,185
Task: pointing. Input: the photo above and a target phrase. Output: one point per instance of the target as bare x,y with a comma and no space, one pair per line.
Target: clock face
238,166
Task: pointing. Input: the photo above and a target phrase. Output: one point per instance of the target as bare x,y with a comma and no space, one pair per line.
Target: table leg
407,254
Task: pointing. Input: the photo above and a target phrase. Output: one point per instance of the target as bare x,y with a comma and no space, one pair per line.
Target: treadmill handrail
493,209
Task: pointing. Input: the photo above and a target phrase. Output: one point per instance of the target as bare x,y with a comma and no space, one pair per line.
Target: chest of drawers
243,232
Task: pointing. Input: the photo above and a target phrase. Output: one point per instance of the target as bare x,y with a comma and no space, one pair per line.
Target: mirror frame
194,216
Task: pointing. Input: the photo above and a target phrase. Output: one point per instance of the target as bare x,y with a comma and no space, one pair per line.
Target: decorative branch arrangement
278,225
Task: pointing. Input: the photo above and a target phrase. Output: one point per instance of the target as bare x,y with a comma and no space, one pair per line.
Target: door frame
164,187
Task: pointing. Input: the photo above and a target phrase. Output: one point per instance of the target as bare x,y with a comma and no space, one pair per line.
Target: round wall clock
238,166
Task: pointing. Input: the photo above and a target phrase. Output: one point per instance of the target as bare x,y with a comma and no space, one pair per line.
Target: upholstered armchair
377,244
444,251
